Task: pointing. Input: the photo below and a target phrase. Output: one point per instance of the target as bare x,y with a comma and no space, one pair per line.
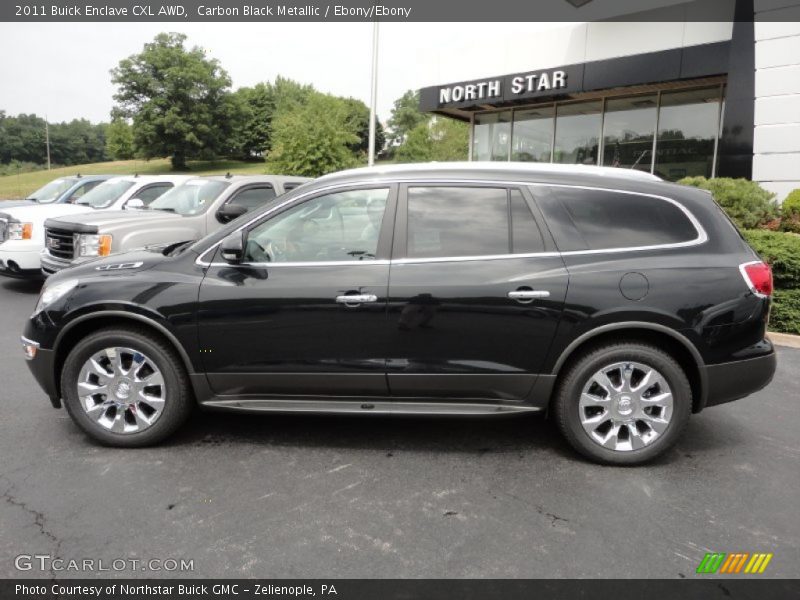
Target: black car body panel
440,330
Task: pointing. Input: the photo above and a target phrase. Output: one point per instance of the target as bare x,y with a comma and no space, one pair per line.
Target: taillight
758,277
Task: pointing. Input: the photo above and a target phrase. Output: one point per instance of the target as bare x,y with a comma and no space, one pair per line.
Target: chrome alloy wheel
625,406
122,390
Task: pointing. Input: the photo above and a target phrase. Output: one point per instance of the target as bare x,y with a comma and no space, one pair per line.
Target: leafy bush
746,202
782,252
785,312
790,212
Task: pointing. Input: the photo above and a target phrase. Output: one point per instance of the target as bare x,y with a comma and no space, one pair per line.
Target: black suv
616,302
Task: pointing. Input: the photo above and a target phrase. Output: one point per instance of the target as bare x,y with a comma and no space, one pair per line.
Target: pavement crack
39,520
554,518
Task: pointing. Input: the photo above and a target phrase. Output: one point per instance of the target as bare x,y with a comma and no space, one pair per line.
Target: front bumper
41,366
51,264
21,264
731,381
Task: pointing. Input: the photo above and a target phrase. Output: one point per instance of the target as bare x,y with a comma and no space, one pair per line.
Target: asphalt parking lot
255,496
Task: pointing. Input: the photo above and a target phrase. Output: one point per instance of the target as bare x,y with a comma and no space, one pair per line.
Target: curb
784,339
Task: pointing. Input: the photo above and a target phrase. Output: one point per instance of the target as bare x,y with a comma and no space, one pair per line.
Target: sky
62,69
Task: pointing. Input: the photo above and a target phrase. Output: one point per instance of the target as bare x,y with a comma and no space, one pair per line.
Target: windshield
191,198
51,191
106,193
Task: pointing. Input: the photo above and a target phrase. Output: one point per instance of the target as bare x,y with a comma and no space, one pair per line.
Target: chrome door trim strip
701,238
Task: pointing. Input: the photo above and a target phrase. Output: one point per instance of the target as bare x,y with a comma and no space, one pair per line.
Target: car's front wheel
125,387
623,403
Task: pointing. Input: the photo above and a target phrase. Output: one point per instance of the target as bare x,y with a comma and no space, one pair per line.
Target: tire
593,389
154,370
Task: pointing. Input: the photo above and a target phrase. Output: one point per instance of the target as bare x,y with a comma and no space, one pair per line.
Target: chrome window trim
702,236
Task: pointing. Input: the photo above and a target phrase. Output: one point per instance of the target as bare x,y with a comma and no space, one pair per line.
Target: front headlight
20,231
92,244
51,293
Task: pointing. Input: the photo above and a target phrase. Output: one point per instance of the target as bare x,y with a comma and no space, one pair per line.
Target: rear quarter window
607,219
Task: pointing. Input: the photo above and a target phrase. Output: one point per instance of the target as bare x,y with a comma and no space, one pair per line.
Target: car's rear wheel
125,387
623,404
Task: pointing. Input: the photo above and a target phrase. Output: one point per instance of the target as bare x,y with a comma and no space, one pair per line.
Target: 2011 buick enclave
619,303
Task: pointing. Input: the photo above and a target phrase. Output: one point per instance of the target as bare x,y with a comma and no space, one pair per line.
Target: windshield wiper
172,210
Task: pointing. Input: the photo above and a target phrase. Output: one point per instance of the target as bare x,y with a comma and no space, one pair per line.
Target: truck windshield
191,198
52,191
105,194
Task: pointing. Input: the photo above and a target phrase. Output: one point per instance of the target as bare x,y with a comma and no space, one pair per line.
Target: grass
19,186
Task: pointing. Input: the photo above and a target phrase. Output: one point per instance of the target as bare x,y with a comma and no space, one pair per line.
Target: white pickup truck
22,236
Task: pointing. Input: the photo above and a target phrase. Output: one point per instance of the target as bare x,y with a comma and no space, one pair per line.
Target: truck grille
60,243
3,229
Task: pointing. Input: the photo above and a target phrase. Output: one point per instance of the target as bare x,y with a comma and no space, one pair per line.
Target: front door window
342,226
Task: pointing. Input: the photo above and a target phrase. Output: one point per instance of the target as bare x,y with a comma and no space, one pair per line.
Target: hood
9,203
31,212
126,263
106,219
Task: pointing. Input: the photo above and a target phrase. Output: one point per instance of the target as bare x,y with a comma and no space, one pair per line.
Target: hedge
782,252
746,202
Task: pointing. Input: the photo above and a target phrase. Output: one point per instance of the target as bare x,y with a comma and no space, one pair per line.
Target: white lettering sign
520,84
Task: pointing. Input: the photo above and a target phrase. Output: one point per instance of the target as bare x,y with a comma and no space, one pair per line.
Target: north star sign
492,89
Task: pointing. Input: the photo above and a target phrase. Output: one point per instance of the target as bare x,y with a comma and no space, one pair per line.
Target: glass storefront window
628,128
492,136
533,134
578,132
688,126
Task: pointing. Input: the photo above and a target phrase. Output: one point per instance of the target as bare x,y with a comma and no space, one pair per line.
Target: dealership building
668,93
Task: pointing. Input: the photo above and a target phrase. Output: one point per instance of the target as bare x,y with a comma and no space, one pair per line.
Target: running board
379,408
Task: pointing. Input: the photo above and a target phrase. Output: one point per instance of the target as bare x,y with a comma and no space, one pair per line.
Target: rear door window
455,221
607,219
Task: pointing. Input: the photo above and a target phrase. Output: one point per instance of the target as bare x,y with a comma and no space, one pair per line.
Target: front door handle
525,296
356,299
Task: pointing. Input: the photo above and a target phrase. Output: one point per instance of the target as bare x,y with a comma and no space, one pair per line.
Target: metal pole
374,97
47,140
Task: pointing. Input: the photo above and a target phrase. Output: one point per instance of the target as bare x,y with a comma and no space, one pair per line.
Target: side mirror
135,203
229,212
232,248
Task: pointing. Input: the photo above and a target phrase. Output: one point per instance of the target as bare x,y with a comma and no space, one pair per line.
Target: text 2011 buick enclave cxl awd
617,302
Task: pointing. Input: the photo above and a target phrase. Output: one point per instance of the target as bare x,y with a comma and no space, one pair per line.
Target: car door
475,295
305,312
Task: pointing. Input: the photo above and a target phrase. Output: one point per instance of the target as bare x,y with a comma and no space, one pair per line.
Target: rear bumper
731,381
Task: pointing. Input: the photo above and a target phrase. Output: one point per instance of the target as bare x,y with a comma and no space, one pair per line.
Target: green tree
179,100
438,140
358,122
253,138
289,94
119,140
313,138
405,116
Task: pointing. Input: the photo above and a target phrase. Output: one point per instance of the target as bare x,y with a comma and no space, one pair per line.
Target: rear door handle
354,299
528,295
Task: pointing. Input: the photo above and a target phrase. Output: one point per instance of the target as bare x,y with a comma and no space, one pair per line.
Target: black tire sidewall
567,407
175,408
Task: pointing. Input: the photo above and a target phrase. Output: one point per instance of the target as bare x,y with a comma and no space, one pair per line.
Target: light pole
374,97
47,140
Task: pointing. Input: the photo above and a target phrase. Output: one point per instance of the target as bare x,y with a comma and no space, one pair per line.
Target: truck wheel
623,404
125,387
